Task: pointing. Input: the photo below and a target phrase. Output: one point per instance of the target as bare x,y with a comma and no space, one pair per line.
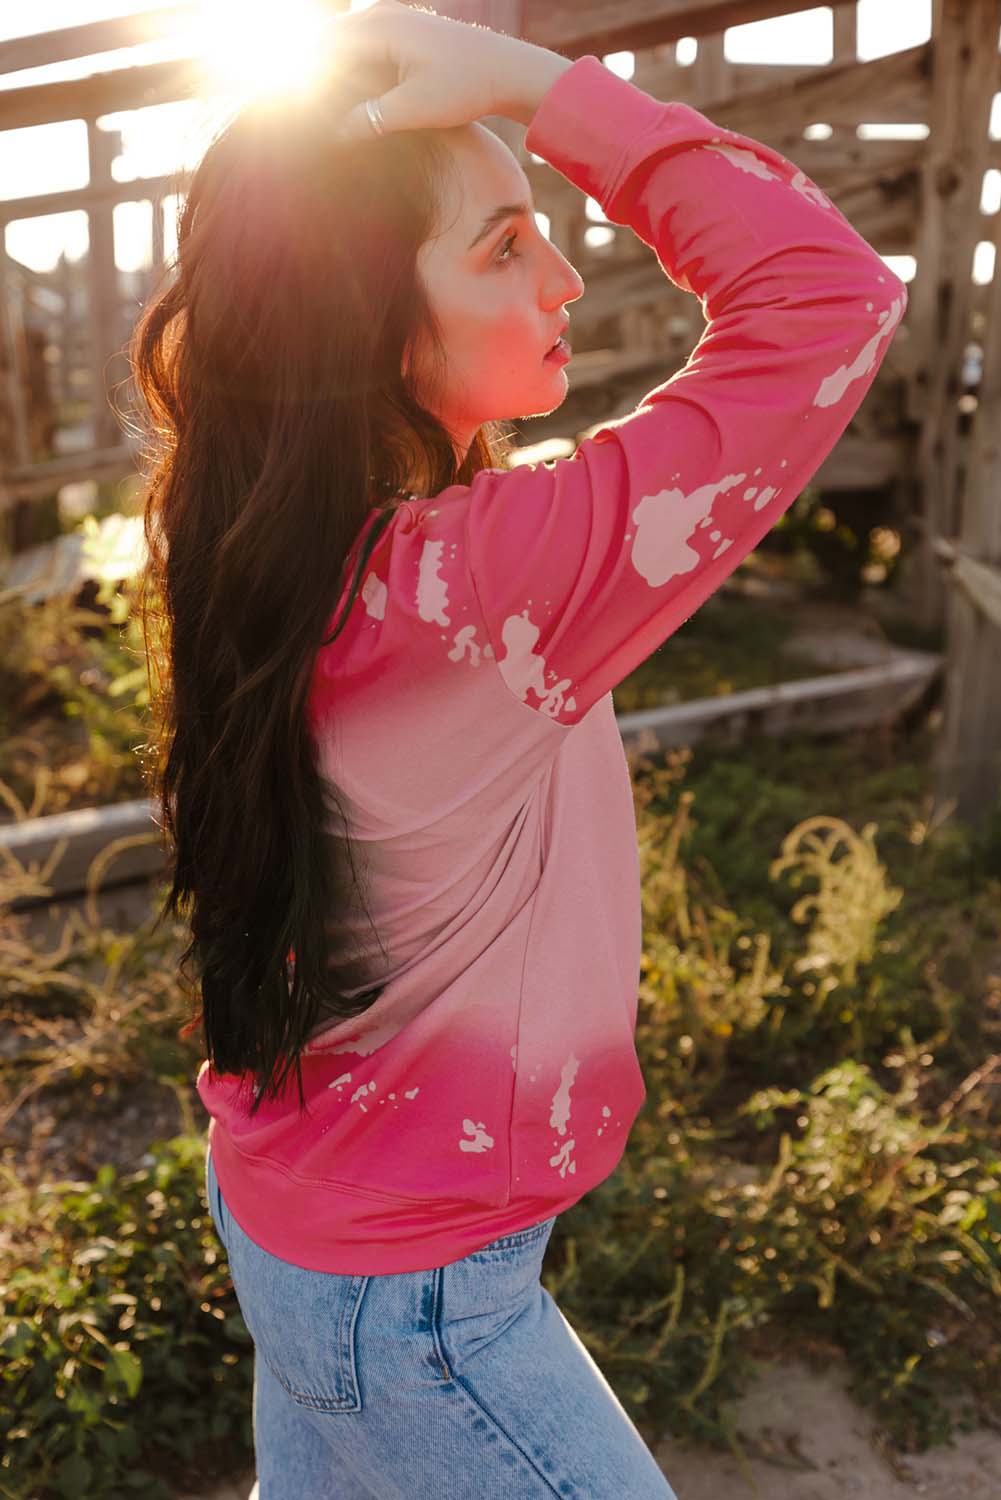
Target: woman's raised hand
429,71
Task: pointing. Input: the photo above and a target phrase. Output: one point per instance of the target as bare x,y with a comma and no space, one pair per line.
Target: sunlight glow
622,64
990,195
252,48
893,131
904,266
249,48
883,28
983,263
806,36
597,236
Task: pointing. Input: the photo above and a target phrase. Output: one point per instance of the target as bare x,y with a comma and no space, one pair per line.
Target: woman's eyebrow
503,211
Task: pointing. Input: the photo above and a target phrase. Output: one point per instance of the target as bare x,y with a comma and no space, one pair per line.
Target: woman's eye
507,244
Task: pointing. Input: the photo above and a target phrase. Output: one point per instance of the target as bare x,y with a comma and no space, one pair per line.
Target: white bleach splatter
481,1141
833,387
432,589
465,639
339,1082
665,523
522,667
560,1111
562,1159
745,160
374,594
367,1041
810,191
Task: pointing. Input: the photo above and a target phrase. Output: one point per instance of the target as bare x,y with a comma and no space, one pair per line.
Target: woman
379,637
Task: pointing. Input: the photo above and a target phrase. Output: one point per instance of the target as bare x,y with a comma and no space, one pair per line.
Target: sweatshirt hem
355,1233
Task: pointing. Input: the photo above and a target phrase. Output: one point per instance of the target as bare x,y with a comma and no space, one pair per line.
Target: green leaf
73,1476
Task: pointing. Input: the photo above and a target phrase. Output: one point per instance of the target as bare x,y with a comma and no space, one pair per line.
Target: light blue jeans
465,1381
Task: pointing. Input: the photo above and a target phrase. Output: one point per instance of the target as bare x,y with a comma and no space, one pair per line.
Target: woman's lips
559,353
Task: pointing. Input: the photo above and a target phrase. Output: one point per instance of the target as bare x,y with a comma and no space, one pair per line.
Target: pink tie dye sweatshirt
464,713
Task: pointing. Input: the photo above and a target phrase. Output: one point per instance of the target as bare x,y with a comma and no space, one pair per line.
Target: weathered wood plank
595,26
569,26
842,94
100,94
108,192
574,27
965,77
968,768
34,480
102,279
47,47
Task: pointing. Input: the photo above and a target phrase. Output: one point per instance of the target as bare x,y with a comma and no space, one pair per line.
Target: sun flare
255,48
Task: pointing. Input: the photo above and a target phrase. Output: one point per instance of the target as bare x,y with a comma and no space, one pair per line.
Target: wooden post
103,286
64,285
846,34
964,79
710,68
156,257
13,361
968,754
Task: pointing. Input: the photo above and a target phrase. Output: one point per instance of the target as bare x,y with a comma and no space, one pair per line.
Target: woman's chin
554,397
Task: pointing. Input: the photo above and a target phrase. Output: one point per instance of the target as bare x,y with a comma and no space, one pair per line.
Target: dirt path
820,1446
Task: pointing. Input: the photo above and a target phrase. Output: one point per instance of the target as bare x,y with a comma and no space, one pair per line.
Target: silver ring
375,115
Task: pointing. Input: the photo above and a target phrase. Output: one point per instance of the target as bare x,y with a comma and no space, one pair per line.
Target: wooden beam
85,198
31,481
48,47
968,755
838,95
575,27
100,94
666,79
572,27
964,80
892,88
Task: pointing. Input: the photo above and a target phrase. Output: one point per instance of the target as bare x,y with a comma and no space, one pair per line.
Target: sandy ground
812,1443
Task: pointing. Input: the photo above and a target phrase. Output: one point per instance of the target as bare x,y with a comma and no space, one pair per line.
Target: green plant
815,1164
74,696
124,1355
860,1210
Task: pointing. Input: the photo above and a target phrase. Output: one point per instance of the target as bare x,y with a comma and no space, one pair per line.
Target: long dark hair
278,416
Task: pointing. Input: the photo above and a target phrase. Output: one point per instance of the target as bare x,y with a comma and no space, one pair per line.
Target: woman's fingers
427,71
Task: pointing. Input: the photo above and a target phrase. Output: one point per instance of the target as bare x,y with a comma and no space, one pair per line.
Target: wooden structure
926,431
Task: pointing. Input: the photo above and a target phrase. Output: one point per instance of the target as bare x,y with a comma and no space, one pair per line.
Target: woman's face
500,302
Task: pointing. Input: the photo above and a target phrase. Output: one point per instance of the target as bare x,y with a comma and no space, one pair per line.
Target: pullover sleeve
583,567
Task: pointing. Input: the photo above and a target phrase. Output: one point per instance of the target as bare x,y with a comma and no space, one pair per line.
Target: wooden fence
928,432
